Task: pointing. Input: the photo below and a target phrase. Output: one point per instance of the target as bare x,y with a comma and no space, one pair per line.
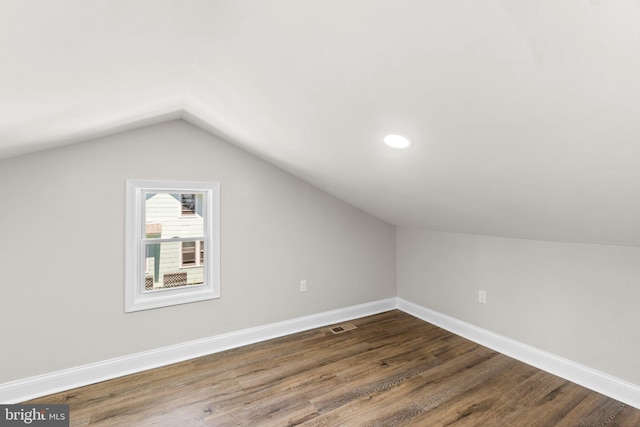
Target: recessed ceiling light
397,141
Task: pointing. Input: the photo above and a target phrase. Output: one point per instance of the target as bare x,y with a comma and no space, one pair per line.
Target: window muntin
172,258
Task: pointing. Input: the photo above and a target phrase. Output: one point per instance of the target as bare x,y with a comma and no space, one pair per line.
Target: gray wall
577,301
62,262
62,249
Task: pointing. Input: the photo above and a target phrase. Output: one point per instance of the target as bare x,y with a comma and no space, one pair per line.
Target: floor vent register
342,328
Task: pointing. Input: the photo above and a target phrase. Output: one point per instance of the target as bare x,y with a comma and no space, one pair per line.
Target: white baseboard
42,385
600,382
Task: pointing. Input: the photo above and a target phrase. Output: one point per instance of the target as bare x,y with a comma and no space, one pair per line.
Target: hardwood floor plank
478,405
391,370
376,382
598,410
441,392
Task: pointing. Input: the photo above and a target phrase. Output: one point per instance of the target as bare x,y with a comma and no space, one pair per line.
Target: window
172,249
192,254
188,203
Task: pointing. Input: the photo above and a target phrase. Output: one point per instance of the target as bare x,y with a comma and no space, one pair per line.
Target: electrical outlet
482,297
303,286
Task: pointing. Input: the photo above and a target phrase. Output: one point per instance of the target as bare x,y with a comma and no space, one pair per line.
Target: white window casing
155,231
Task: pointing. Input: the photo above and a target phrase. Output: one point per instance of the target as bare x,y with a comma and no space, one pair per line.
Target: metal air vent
338,329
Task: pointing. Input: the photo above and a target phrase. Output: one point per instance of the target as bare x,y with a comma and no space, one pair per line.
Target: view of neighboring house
173,263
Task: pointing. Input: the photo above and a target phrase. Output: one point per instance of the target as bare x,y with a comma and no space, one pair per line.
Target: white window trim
136,298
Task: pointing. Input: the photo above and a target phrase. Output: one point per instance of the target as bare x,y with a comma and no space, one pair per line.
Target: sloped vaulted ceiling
524,115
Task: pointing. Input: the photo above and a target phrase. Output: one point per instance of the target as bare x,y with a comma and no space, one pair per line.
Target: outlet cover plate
482,297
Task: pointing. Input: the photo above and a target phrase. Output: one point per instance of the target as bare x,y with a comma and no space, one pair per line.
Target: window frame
136,298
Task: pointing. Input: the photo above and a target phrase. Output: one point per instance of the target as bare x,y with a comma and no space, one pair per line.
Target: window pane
165,270
165,215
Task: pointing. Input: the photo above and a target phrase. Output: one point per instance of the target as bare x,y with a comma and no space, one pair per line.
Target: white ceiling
524,114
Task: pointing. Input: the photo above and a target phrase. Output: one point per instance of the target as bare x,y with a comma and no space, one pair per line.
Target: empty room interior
289,212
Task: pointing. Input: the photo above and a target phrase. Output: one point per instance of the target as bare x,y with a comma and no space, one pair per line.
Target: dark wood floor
392,370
